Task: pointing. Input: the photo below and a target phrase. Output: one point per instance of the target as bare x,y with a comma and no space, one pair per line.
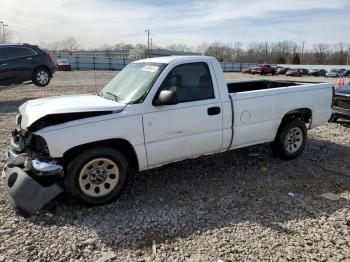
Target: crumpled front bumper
24,193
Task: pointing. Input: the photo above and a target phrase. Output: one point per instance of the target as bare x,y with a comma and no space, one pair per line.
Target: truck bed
234,87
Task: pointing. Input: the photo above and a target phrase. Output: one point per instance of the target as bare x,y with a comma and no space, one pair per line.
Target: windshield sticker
150,68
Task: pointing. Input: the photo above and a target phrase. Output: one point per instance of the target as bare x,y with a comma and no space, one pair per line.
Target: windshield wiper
116,98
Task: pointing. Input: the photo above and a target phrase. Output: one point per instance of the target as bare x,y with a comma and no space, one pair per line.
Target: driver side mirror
166,97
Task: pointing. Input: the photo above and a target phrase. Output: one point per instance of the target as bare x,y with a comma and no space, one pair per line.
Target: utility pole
1,24
348,56
4,31
151,47
302,53
147,31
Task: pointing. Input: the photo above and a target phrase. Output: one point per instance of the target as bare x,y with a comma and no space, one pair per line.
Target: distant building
132,54
165,52
119,54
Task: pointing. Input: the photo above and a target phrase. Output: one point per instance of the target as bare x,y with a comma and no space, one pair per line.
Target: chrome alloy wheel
294,140
99,177
42,77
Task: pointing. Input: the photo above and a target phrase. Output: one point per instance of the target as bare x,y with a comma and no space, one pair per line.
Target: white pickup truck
155,111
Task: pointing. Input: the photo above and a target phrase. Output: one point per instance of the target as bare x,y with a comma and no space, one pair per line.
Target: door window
3,53
24,51
14,52
190,82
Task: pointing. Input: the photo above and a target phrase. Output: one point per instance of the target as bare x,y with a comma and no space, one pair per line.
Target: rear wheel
290,139
97,176
333,119
41,77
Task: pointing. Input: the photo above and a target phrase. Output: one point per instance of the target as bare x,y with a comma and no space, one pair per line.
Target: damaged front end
30,176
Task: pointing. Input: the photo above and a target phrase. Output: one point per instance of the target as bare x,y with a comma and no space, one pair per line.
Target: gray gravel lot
244,205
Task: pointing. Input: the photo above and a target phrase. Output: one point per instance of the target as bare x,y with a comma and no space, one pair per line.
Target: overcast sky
191,22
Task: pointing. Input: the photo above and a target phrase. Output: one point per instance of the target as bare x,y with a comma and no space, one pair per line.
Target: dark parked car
341,108
63,65
297,72
264,70
282,70
317,72
23,62
343,72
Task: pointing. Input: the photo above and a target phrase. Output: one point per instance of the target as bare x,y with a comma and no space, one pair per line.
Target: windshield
133,82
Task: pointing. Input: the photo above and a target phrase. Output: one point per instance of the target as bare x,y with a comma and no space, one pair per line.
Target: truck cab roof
173,59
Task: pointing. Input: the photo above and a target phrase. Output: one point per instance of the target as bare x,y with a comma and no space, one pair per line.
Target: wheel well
304,114
43,66
121,145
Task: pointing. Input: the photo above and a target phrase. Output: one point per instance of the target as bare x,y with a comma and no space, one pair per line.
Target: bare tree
282,52
237,47
218,50
140,46
70,44
122,46
320,52
202,48
339,54
179,48
286,48
52,46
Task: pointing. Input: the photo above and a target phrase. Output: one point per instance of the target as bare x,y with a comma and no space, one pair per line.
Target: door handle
29,58
4,65
214,110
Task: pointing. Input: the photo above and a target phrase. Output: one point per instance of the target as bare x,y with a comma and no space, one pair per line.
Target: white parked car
155,111
336,72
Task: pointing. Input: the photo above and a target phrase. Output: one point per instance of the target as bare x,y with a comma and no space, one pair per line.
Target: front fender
63,138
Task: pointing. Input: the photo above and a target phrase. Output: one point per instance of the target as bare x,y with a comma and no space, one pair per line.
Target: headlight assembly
18,121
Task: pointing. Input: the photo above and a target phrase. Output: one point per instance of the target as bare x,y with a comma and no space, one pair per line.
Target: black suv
23,62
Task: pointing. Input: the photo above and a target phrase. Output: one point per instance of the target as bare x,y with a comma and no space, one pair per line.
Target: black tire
333,119
74,168
41,77
281,147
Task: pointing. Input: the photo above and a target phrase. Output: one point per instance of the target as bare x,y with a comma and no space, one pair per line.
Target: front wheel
290,139
96,176
41,77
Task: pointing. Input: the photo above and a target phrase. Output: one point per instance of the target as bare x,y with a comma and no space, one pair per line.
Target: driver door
190,128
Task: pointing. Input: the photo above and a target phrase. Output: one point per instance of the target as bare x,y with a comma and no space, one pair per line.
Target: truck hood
34,110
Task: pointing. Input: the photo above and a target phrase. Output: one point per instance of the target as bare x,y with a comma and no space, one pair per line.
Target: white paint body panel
266,109
163,134
33,110
180,132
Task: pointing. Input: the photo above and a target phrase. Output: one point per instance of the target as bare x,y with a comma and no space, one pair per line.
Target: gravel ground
243,205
